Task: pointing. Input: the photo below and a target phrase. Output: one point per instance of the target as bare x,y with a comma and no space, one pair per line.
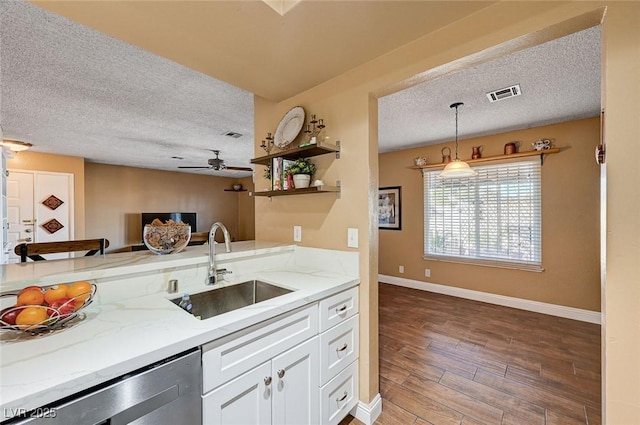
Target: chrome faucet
214,273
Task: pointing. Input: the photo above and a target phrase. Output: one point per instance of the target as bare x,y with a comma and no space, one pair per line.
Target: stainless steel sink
223,300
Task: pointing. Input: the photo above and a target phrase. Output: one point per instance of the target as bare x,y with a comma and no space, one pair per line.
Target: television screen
187,218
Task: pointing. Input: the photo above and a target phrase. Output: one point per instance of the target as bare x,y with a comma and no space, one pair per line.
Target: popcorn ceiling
560,81
71,90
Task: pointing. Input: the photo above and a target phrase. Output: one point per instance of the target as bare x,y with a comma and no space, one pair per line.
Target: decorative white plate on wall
289,127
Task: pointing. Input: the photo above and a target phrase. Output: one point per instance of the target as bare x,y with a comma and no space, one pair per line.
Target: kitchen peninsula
132,323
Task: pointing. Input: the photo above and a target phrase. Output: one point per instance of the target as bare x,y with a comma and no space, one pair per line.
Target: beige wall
34,161
570,217
621,286
246,211
325,218
115,197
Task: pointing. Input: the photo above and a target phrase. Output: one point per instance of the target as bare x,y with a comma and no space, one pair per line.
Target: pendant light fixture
457,169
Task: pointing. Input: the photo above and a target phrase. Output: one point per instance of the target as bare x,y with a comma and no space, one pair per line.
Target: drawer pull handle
341,309
344,347
267,381
281,373
344,396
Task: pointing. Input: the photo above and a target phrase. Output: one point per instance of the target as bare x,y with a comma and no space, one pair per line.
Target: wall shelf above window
319,148
493,158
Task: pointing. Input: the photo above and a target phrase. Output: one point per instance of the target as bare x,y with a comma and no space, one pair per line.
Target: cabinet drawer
340,395
338,348
234,354
337,308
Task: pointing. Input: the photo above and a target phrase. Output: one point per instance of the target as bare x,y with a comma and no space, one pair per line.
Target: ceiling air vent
505,93
232,134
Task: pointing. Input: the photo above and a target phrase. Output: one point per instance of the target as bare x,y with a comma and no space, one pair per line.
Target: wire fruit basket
54,316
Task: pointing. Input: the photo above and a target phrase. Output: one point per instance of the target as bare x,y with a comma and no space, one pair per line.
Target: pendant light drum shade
457,169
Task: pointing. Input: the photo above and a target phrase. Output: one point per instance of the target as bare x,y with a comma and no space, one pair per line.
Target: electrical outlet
401,269
427,272
352,238
297,233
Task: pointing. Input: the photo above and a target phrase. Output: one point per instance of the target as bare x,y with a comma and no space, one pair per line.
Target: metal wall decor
52,225
52,202
267,143
313,129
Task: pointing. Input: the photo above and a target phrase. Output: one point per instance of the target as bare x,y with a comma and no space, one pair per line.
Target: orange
55,293
32,316
32,297
79,291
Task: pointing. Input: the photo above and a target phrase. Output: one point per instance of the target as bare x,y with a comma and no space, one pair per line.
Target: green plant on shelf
302,166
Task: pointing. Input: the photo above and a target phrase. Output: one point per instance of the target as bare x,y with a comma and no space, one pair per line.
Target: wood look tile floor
446,360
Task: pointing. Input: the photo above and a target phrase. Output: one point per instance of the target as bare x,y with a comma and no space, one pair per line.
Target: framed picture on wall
389,208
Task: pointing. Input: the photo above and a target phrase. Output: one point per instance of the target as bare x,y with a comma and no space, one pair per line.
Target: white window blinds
491,218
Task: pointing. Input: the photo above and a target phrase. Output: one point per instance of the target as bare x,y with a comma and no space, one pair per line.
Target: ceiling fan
218,164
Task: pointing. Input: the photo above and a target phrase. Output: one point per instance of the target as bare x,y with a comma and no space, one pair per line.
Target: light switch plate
297,233
352,238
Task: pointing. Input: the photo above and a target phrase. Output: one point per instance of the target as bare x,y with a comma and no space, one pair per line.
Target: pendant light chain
457,133
456,105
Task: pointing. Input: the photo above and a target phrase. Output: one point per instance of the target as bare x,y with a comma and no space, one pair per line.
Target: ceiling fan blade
204,168
229,167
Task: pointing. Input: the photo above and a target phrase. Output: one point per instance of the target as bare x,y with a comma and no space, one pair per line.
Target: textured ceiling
559,80
71,90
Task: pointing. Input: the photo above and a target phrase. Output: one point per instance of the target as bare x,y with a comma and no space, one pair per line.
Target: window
492,218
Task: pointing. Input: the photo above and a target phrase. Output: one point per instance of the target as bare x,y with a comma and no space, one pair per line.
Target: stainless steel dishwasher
165,393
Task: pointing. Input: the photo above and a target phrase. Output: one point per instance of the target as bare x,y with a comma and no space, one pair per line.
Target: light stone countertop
132,323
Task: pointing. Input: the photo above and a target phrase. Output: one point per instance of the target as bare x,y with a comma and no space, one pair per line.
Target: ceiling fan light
16,145
457,169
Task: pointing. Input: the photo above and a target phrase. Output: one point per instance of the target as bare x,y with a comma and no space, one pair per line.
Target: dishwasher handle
147,406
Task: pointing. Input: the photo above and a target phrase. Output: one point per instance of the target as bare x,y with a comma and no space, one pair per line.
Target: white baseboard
368,413
522,304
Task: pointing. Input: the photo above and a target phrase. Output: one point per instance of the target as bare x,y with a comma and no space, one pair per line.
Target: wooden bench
35,250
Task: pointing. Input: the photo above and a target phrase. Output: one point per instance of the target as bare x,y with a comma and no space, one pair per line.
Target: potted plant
302,169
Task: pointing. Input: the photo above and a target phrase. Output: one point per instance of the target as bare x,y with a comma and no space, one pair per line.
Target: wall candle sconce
313,129
267,144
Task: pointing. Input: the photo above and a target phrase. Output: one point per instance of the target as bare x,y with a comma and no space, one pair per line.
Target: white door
40,208
20,211
243,400
296,379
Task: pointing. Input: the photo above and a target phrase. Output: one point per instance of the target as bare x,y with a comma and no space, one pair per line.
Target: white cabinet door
296,385
244,400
